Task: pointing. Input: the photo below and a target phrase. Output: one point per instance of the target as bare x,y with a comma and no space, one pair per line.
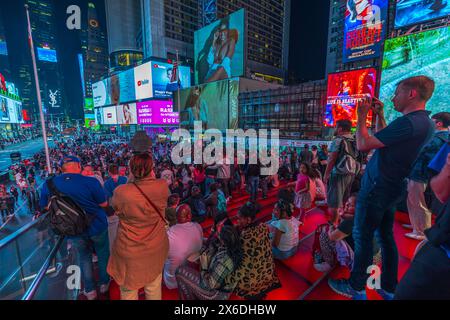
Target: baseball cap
69,159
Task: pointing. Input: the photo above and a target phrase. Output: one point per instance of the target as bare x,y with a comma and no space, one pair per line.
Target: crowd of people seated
146,230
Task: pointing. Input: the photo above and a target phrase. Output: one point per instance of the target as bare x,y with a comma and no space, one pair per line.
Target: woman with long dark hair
213,282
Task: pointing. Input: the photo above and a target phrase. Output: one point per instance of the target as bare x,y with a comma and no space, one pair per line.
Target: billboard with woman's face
220,49
126,113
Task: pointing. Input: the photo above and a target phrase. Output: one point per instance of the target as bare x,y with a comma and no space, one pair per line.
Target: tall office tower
94,47
123,18
335,62
335,36
43,25
168,27
268,34
4,54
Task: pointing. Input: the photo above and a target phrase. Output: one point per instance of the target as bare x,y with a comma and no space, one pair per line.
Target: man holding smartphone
384,183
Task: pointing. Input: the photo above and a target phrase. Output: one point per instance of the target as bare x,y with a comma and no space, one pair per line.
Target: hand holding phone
377,106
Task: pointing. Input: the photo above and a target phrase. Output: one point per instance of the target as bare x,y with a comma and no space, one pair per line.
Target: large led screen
10,111
157,112
165,81
48,55
110,115
126,113
3,48
410,12
219,49
101,92
209,103
126,86
365,27
345,89
143,81
425,53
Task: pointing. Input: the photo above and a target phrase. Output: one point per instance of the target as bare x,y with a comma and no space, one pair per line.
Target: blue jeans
253,184
264,186
85,246
375,211
283,255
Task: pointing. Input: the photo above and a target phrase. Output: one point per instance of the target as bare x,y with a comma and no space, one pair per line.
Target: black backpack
66,217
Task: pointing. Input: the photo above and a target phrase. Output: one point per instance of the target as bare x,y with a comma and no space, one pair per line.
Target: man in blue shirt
384,183
87,193
419,214
428,276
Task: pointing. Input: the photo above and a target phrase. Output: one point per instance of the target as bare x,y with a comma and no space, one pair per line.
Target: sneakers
407,226
91,295
415,236
94,258
385,295
343,288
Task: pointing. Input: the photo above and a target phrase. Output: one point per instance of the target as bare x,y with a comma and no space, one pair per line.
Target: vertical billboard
219,49
410,12
364,29
344,91
126,114
101,93
157,112
3,48
143,81
165,81
127,92
426,53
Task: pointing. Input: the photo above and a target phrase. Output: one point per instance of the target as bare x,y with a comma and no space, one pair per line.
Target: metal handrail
29,295
8,239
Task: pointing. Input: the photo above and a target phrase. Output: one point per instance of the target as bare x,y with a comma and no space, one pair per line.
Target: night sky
307,56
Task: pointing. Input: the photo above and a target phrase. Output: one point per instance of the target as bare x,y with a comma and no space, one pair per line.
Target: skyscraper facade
43,25
267,35
168,27
94,47
5,69
123,18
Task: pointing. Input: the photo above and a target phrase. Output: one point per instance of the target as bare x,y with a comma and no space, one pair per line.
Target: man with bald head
185,239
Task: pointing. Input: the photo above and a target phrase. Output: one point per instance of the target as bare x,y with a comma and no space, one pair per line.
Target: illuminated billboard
364,29
410,12
425,53
10,110
126,114
45,54
110,115
3,48
220,49
157,112
143,81
126,86
99,116
215,104
88,104
165,81
344,91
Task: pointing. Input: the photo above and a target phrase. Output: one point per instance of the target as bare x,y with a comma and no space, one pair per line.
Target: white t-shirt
184,240
289,239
